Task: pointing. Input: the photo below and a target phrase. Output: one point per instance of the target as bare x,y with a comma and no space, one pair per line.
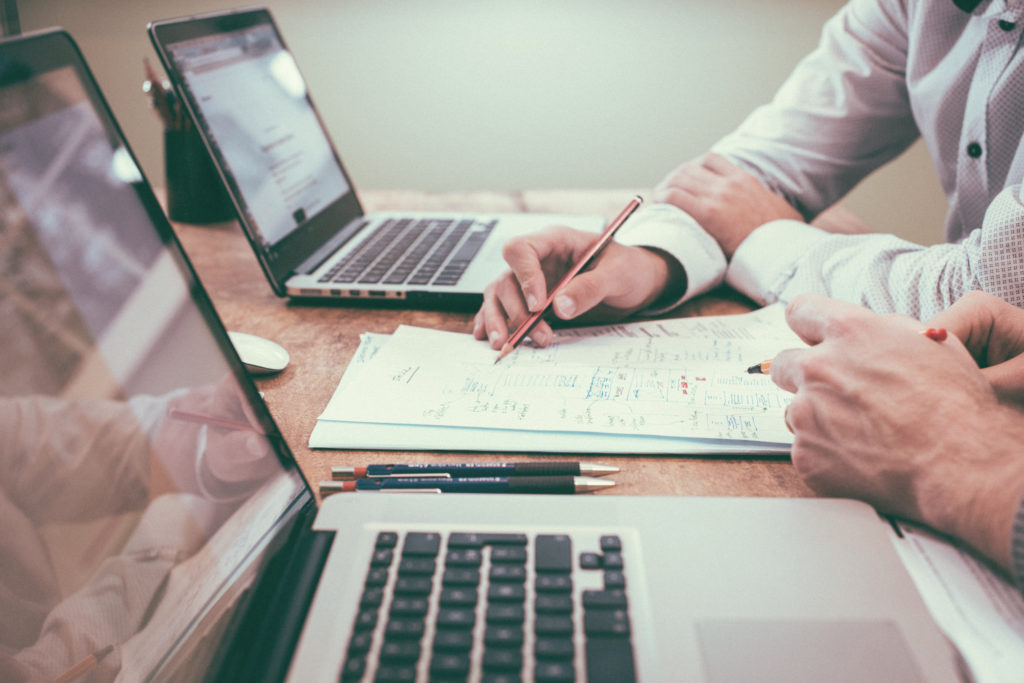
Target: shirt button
974,150
1007,25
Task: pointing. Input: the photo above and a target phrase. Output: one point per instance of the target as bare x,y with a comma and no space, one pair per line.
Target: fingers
990,328
1007,380
503,309
787,369
538,260
815,317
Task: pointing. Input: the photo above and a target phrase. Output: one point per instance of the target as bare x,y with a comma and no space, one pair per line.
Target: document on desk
979,610
664,386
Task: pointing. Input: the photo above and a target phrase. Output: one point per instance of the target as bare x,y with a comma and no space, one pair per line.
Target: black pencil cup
195,193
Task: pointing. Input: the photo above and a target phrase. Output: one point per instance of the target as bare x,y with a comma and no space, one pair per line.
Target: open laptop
295,201
156,526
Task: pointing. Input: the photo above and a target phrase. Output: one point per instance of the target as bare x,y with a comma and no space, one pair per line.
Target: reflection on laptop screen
126,513
262,126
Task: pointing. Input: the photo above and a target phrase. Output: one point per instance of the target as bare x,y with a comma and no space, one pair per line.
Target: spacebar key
610,659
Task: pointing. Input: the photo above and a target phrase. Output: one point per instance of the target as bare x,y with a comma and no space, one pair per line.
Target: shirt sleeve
668,229
885,273
843,112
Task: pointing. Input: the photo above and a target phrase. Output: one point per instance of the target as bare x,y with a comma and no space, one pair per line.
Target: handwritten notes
669,380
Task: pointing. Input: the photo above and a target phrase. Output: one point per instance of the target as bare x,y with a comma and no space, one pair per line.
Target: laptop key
503,659
458,597
553,553
554,648
413,585
395,674
426,545
555,672
552,603
606,622
461,577
503,635
460,640
604,599
609,659
449,664
404,628
353,669
501,677
553,625
409,607
398,651
508,554
554,583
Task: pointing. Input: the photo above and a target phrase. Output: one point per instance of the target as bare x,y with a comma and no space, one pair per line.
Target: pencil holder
195,193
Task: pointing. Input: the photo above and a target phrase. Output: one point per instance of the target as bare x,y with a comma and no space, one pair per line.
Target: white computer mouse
259,356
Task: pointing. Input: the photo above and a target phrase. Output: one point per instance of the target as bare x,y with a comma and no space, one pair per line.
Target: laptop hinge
260,642
316,259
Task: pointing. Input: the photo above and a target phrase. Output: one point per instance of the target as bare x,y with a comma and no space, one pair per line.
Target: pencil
938,334
591,254
83,667
224,422
761,368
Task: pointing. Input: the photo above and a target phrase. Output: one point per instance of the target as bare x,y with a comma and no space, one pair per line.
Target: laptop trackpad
797,651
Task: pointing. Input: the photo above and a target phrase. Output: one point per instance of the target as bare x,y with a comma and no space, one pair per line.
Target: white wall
513,94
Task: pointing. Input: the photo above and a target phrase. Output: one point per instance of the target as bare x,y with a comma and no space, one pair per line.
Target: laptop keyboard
491,607
412,251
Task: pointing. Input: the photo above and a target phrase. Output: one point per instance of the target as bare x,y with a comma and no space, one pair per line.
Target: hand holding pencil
622,280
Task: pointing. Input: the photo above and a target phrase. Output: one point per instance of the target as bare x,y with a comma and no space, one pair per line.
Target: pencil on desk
588,257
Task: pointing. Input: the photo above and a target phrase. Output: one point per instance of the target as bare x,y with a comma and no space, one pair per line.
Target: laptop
296,203
157,528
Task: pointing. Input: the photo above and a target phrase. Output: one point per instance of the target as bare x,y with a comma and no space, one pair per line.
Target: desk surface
322,338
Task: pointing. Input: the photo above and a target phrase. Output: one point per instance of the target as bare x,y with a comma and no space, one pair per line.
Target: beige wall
510,94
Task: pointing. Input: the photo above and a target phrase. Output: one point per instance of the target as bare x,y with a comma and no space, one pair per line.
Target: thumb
583,293
1007,380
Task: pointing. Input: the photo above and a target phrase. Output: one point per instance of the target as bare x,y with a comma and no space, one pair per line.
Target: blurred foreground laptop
156,526
297,205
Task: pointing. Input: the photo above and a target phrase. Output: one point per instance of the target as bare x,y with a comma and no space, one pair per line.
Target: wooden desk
322,338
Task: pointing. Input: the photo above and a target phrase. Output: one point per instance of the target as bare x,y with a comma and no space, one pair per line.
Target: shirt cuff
766,260
671,230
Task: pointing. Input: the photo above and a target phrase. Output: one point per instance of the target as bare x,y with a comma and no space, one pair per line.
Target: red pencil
587,258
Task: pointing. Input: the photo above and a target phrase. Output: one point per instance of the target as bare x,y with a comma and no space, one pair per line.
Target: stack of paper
666,386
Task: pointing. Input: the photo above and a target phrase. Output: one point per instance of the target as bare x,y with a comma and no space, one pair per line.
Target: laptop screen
259,121
140,476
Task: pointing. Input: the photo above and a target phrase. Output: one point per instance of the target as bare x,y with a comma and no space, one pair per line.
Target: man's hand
725,200
993,331
910,425
622,281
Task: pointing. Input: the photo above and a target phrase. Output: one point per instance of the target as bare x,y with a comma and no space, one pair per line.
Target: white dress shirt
884,73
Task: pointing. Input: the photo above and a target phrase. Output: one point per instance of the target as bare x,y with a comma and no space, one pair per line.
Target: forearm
842,113
884,273
975,491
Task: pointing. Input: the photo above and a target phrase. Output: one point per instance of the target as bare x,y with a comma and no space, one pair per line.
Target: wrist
668,279
974,490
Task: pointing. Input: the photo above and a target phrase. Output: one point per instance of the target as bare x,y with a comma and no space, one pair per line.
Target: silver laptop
297,205
156,527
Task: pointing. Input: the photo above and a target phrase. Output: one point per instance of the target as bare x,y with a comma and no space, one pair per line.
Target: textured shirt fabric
885,73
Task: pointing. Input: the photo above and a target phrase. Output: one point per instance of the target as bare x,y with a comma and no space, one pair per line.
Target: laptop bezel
45,50
280,261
